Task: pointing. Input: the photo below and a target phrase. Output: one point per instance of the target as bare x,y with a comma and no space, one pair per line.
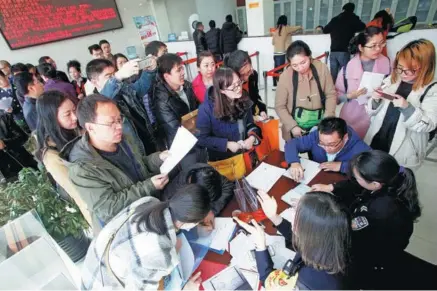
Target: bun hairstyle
363,38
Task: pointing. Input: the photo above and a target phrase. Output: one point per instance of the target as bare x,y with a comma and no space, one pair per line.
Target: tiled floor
423,244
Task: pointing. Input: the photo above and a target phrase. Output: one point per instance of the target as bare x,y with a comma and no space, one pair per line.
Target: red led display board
25,23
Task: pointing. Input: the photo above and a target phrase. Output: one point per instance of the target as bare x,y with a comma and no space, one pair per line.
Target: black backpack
431,133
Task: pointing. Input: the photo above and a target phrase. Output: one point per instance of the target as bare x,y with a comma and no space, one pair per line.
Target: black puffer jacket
169,108
213,40
199,41
230,37
254,94
13,156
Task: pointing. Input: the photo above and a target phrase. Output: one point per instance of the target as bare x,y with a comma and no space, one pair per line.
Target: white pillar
259,17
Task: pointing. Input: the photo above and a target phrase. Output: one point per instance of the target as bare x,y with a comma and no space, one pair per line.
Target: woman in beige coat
281,40
305,94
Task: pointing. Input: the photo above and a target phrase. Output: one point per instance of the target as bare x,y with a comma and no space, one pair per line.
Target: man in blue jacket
332,145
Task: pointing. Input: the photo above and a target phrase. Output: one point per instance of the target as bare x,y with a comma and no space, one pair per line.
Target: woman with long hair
206,68
225,120
281,40
402,124
367,48
320,237
305,93
57,126
383,199
139,247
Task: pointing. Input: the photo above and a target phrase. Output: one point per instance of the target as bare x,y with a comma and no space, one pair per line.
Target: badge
359,223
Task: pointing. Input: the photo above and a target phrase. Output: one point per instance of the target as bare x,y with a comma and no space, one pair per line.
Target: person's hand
357,93
263,115
208,221
331,166
269,206
257,232
159,181
153,64
9,110
194,282
129,69
400,102
248,143
296,131
322,188
233,146
376,96
2,145
80,96
296,172
164,155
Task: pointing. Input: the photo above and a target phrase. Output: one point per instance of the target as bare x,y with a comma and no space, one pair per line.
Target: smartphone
385,95
146,62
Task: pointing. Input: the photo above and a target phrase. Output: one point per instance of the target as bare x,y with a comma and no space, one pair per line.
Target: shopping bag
232,168
270,132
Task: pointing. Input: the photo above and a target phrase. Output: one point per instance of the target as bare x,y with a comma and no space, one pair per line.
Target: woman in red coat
206,67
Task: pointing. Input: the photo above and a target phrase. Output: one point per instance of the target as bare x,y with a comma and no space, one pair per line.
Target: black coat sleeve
254,92
12,135
226,196
264,264
168,121
346,191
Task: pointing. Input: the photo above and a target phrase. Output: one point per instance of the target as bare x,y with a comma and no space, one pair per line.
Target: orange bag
270,131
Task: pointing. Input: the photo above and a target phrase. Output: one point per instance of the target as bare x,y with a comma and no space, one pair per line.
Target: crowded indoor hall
218,145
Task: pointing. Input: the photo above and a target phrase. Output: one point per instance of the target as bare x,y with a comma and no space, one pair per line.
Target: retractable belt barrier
273,73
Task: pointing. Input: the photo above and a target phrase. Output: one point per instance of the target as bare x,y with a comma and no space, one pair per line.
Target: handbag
233,168
270,132
189,121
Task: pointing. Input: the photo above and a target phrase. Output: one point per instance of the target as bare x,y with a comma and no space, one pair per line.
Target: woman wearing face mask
57,125
320,238
225,120
77,80
305,93
384,201
368,58
240,62
206,67
402,126
138,248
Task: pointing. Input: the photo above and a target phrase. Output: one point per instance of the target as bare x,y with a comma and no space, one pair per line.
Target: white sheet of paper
186,256
183,142
240,248
288,214
252,278
264,176
5,103
293,196
223,229
370,81
311,169
227,279
282,255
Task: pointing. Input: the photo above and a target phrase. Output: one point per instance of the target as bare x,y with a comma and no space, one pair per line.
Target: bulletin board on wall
26,23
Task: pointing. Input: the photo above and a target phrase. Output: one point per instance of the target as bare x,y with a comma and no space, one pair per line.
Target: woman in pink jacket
368,58
206,67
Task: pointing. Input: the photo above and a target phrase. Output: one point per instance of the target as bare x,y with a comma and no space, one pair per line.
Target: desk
281,187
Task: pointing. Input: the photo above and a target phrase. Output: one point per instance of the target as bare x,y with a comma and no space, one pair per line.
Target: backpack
402,26
431,133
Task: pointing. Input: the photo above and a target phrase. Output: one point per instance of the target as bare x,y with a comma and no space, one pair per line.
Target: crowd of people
102,137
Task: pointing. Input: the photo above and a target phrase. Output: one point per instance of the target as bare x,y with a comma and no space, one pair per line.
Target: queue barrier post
265,89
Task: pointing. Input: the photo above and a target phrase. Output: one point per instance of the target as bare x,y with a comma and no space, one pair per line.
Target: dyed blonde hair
422,53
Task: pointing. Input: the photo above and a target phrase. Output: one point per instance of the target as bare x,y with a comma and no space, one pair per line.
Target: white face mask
188,226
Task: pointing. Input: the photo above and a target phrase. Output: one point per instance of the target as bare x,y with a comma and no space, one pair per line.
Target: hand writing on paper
208,221
400,102
296,172
331,166
322,188
159,181
233,146
194,282
257,232
164,155
248,143
357,93
270,207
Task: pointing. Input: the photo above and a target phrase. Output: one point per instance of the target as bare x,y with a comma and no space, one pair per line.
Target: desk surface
281,187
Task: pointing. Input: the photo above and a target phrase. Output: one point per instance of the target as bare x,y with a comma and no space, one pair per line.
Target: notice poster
147,28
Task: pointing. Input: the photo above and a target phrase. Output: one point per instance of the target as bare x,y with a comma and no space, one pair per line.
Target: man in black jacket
199,38
213,41
342,28
230,36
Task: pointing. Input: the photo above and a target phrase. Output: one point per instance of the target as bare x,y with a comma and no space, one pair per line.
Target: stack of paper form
293,196
311,169
370,81
265,176
183,142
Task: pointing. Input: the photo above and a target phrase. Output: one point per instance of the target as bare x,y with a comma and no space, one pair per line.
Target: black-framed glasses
330,146
407,72
113,124
376,46
236,88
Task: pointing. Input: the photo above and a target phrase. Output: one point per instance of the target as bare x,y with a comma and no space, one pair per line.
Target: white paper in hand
370,81
183,142
264,176
311,169
5,103
293,196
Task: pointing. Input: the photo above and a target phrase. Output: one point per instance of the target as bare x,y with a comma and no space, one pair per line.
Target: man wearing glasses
332,145
106,165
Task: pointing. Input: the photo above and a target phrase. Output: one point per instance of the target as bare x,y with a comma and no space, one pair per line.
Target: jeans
279,61
337,61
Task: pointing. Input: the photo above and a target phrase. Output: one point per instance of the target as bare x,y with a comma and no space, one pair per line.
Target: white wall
77,48
215,10
178,12
160,11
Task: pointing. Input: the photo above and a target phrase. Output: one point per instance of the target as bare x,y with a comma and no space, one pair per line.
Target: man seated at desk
332,145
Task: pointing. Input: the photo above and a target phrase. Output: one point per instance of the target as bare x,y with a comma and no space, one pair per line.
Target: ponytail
150,217
408,193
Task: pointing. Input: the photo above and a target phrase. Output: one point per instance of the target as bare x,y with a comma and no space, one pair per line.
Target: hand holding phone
385,95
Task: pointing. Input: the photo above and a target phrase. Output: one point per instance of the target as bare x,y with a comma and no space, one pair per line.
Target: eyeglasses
114,124
330,146
376,46
237,87
408,72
